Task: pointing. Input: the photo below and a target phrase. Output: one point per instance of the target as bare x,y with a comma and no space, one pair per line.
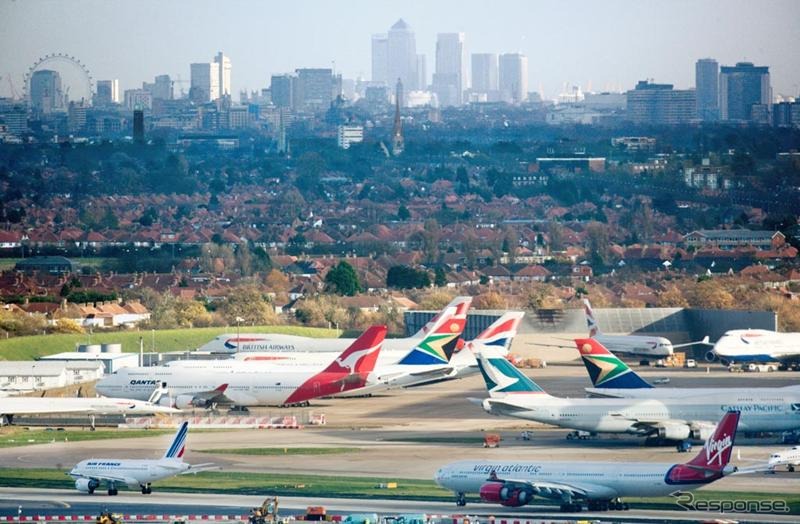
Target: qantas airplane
11,406
253,386
136,474
613,378
277,343
512,393
599,485
756,345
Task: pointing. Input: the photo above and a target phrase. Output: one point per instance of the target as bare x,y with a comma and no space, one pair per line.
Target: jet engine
703,431
674,432
505,494
86,485
188,401
711,356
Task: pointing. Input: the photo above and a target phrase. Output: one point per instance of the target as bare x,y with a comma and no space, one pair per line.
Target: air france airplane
756,345
613,378
252,386
599,485
512,393
136,474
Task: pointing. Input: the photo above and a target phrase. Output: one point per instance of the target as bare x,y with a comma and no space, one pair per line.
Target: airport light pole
239,321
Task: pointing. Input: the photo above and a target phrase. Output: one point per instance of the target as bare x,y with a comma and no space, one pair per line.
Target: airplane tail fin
438,345
605,369
362,354
501,376
178,446
717,450
500,333
461,304
594,329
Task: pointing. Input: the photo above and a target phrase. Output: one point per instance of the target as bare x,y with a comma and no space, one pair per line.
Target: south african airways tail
605,369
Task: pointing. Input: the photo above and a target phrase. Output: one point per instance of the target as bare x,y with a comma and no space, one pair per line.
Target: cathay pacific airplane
599,485
513,394
136,474
613,378
251,386
757,345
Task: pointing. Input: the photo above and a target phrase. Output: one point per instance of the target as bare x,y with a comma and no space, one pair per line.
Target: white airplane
512,393
136,474
613,378
643,345
277,343
251,386
11,406
786,457
599,485
757,346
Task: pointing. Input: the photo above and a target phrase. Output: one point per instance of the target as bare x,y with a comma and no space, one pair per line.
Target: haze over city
597,45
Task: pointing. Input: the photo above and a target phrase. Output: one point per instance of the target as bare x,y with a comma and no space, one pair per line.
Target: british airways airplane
758,346
136,474
599,485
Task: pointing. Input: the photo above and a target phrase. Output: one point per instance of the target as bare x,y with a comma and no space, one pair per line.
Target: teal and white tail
501,376
178,446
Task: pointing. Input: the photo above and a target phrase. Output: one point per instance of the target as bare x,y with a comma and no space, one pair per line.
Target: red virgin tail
361,355
717,451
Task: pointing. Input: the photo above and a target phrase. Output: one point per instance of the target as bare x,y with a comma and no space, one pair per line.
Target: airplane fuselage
667,393
636,345
142,472
757,345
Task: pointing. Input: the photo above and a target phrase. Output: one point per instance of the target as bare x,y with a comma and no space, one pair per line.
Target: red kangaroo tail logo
719,447
362,354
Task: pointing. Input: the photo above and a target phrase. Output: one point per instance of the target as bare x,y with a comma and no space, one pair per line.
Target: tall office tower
422,72
513,69
740,88
448,80
224,81
660,104
46,94
706,81
162,88
76,116
484,72
282,89
401,53
138,126
380,59
315,89
107,93
398,144
204,83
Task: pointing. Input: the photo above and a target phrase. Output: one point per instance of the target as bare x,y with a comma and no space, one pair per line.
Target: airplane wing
207,399
503,406
703,342
130,481
199,468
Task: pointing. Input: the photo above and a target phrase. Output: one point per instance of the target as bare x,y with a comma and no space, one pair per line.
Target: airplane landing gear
606,505
146,489
112,489
461,499
571,507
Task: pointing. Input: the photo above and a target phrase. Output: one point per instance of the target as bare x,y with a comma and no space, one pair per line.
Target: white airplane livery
136,474
757,346
512,393
786,457
599,485
648,346
11,406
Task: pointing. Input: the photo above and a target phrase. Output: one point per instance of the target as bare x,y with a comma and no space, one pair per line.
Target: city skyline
264,39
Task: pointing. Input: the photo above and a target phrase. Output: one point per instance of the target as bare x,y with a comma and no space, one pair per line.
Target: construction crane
11,87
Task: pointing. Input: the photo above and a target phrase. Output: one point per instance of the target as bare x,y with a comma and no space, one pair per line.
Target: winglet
605,369
178,446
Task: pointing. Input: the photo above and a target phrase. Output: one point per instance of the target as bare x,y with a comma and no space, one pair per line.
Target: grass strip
279,451
15,436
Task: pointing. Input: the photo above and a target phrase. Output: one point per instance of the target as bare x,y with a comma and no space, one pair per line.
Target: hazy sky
598,44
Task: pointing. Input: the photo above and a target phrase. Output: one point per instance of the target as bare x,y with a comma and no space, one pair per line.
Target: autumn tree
490,300
709,294
672,297
191,313
342,279
248,303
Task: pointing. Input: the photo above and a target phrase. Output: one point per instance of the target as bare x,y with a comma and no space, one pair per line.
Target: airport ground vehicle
267,513
580,435
491,440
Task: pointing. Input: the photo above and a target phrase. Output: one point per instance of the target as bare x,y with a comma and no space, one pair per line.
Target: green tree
342,279
403,213
405,277
439,277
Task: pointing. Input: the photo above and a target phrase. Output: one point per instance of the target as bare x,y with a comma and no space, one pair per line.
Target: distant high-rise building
316,88
484,72
224,75
660,104
76,116
706,81
786,114
162,88
401,54
138,126
107,93
448,80
740,88
282,89
513,73
45,91
138,99
380,58
422,72
204,83
398,144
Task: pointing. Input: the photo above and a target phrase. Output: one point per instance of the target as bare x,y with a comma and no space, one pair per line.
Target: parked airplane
253,386
786,457
613,378
758,346
136,474
599,485
278,343
511,393
642,345
11,406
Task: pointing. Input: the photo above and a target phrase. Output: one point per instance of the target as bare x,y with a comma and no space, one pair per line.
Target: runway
66,502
